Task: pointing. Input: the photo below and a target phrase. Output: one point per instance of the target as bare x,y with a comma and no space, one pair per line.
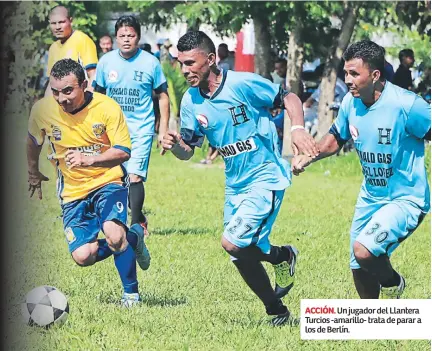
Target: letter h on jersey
240,114
384,135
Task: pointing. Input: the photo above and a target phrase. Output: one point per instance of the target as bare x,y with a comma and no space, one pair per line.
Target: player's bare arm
110,158
173,141
328,146
164,106
35,177
302,141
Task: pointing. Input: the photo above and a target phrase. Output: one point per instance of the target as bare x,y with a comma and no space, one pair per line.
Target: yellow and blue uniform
78,47
89,196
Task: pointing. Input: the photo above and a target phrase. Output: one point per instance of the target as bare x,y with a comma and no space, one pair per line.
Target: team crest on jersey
354,132
202,120
70,236
56,132
98,129
112,76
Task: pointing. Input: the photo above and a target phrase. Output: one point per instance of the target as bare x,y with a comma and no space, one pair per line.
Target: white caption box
366,319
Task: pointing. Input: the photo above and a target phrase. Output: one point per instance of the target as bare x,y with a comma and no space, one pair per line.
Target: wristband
293,128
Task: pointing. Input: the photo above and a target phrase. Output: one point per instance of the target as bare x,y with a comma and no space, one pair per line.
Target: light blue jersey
130,82
388,137
236,120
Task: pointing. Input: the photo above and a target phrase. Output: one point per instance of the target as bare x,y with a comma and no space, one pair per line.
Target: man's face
61,25
127,40
67,92
281,69
408,61
196,65
105,44
359,78
222,52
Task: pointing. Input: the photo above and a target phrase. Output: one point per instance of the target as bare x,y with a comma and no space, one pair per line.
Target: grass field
194,298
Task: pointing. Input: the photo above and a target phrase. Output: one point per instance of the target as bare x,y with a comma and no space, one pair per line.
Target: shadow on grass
148,299
182,231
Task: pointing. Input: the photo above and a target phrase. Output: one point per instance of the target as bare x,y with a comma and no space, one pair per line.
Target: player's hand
170,138
299,162
303,143
35,180
75,158
160,137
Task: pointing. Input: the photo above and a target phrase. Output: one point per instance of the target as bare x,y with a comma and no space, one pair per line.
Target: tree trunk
328,83
263,62
294,70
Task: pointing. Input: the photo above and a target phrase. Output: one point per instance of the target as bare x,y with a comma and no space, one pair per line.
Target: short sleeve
100,77
89,53
117,130
262,92
158,75
189,127
419,118
35,132
340,127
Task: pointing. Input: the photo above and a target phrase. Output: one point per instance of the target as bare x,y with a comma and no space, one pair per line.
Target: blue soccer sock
103,250
126,266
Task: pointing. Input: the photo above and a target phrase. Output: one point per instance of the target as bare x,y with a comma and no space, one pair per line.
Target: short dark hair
281,60
406,53
67,66
106,36
128,21
370,52
196,39
223,45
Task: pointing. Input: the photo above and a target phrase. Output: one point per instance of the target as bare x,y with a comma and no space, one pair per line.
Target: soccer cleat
130,300
284,273
284,319
393,292
141,251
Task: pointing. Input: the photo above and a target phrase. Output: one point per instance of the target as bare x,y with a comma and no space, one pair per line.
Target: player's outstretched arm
110,158
164,106
302,141
173,141
35,177
328,146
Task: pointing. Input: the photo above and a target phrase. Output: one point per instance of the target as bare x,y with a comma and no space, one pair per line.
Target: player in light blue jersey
232,110
388,125
129,75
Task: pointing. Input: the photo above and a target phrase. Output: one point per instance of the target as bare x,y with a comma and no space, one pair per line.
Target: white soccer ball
45,306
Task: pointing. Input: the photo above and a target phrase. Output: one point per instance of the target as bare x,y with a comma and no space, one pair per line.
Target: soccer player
88,141
106,44
129,75
388,125
70,43
232,110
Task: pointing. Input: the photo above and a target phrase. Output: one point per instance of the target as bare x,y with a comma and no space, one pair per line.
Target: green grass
193,297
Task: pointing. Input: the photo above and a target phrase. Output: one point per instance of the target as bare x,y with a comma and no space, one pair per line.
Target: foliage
177,86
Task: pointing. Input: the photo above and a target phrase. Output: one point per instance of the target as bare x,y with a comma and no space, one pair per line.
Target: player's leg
243,218
110,204
389,226
81,228
264,206
137,168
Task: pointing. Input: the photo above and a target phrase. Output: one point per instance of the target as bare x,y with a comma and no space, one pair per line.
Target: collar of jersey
130,58
70,36
88,99
218,90
378,102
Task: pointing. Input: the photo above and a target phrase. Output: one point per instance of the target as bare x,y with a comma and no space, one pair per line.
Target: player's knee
134,178
361,253
84,256
230,248
115,234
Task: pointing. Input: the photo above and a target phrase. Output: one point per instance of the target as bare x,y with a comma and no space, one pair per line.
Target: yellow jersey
78,47
96,127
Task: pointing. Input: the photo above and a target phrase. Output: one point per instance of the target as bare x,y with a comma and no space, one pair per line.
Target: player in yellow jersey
88,142
70,43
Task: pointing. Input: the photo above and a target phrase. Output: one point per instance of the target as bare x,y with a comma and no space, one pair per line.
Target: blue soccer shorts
83,219
249,216
140,157
381,227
